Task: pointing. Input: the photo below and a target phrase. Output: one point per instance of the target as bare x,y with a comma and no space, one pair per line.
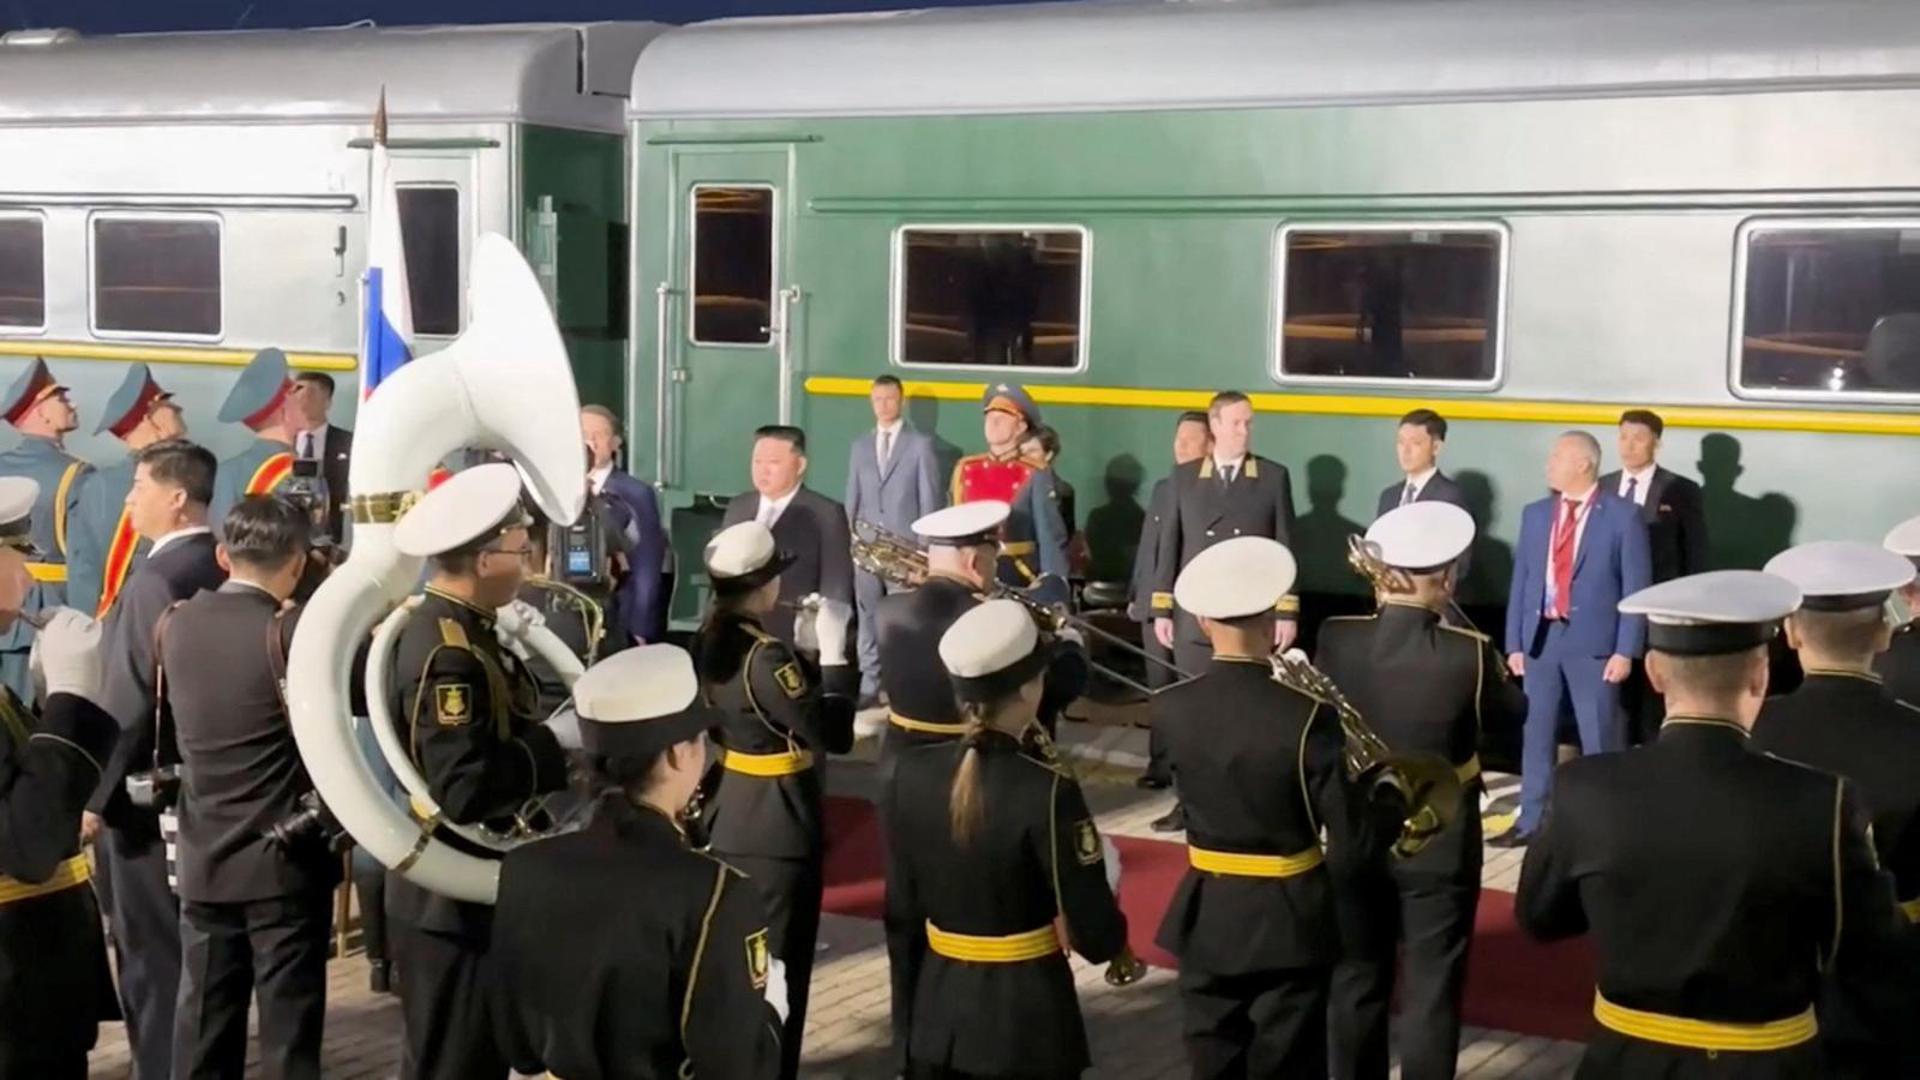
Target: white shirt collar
1221,466
893,429
780,504
177,534
1419,479
1578,500
1642,475
597,478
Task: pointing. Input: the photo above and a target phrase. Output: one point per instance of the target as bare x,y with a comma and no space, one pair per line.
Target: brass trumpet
899,561
1426,783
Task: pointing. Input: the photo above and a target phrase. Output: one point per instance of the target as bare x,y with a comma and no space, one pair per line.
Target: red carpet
1513,983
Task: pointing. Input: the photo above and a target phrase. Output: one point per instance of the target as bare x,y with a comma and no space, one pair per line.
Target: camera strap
277,656
160,709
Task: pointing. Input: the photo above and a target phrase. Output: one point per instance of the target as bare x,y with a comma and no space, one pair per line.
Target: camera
155,789
313,823
307,490
579,551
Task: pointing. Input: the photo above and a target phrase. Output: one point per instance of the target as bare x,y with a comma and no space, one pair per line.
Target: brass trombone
899,561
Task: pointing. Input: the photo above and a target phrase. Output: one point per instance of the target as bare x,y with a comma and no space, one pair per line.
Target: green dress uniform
471,730
54,982
260,469
993,994
1425,688
620,953
62,479
765,814
104,549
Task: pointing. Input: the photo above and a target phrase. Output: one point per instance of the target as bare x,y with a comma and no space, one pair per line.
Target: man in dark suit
320,440
805,524
1581,549
172,484
892,481
1191,441
253,900
640,601
1417,445
1676,520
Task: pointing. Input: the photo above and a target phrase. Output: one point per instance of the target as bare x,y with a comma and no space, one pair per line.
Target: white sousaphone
503,385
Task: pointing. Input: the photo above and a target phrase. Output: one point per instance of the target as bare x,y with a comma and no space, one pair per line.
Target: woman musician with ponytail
991,844
765,815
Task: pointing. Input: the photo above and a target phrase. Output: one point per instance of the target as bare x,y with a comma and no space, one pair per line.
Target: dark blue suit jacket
641,602
1611,563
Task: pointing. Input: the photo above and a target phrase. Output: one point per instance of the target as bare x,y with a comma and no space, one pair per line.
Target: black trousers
1255,1026
275,947
1157,677
145,919
1646,710
1430,902
370,886
791,889
444,1003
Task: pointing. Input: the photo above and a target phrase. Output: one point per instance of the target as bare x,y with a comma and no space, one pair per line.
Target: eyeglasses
524,554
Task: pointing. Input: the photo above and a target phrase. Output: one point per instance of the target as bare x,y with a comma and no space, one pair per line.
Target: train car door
437,193
731,350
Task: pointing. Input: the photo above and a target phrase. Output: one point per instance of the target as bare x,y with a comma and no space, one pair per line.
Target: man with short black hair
172,483
1191,441
1417,443
317,438
254,909
806,525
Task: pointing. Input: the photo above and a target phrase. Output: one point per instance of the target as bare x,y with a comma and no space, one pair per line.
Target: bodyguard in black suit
1260,770
1425,688
1191,441
1416,445
1714,938
326,443
252,904
172,483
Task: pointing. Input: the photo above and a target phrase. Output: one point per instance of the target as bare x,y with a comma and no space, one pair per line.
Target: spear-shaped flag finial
380,120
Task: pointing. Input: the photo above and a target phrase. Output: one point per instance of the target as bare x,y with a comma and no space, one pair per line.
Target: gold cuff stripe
1240,864
786,763
75,871
999,949
1163,601
1706,1034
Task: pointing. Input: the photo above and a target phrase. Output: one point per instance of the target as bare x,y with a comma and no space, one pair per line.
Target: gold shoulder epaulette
454,635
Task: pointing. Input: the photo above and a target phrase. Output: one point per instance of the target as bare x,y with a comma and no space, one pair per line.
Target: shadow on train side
1743,531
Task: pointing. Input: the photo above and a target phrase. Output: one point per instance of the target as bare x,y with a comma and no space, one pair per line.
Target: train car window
1831,309
156,275
23,273
1391,304
430,229
990,297
733,265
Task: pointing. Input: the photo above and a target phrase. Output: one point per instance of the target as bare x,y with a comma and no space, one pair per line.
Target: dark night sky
126,16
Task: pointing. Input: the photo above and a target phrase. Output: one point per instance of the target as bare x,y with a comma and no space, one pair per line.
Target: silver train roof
1195,54
572,76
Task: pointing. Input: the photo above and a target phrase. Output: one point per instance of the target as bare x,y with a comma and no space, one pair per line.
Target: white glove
1073,634
66,654
806,616
1112,856
1295,655
565,725
830,629
513,623
777,987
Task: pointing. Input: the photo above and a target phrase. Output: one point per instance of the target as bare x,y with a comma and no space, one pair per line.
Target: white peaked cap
1842,575
966,522
17,496
1905,539
740,550
1720,611
640,701
470,504
989,639
1236,578
1422,535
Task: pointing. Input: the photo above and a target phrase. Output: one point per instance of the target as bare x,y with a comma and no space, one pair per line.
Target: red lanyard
1560,525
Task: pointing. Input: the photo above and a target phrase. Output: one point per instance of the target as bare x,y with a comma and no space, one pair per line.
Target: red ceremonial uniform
983,476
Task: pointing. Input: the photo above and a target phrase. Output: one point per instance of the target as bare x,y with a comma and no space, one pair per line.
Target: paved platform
1135,1031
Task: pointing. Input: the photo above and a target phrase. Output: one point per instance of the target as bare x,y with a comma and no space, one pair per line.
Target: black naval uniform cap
741,558
1715,613
1842,575
639,702
991,651
967,525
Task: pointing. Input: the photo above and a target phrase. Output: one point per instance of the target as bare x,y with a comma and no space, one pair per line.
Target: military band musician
1900,664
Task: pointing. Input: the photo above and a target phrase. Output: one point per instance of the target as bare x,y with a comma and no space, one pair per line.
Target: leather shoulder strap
160,710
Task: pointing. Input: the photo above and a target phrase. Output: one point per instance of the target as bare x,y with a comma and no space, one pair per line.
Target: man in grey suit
892,481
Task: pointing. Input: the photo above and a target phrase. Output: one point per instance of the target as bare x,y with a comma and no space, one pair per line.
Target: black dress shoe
1151,782
1512,838
380,977
1175,821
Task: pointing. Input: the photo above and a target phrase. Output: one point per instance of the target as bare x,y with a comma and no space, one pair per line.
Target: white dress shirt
1416,483
1582,510
1229,471
886,440
597,478
1645,478
311,444
771,509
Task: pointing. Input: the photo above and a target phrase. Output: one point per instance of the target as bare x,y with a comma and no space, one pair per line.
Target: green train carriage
1525,216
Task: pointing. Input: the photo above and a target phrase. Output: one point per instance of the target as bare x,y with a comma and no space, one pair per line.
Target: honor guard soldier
54,982
1842,720
471,729
1900,664
624,919
1427,688
1719,884
765,814
1033,542
261,400
38,409
991,847
1260,768
105,545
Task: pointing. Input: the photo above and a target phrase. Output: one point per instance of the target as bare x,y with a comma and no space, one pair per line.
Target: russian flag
387,340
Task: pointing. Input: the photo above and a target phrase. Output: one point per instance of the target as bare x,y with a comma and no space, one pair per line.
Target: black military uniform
54,984
1900,664
1256,501
765,815
1425,688
472,732
993,994
248,903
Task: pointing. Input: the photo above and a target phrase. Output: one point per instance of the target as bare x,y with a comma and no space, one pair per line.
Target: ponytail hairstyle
964,812
989,703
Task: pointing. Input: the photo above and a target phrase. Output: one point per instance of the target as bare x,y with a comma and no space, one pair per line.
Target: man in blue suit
892,481
640,607
1581,550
